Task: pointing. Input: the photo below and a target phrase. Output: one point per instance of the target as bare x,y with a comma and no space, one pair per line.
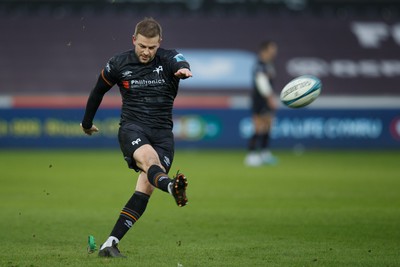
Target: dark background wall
52,52
59,47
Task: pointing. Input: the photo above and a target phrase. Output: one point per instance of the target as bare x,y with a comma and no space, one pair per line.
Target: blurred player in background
263,106
148,79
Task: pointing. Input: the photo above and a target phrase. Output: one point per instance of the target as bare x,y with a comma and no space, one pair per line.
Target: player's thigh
163,143
132,137
267,120
262,122
258,123
146,156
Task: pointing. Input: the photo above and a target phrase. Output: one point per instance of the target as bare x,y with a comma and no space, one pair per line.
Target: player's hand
272,102
183,73
90,131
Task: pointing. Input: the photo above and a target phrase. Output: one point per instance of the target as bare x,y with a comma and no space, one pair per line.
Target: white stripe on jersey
263,85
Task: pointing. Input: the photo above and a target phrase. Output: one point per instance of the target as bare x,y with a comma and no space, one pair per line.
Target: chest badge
158,69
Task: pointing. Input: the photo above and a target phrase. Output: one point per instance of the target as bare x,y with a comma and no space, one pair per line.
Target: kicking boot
178,189
111,252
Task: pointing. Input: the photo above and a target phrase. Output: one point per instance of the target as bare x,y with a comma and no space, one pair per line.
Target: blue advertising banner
209,128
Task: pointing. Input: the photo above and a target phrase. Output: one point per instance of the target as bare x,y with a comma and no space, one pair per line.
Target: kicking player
263,106
148,79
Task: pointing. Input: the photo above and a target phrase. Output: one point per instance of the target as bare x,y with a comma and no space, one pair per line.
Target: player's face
146,48
269,53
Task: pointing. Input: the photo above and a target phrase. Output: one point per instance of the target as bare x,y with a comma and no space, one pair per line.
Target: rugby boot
111,252
179,184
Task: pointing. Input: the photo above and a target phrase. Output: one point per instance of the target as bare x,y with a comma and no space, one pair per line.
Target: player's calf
176,187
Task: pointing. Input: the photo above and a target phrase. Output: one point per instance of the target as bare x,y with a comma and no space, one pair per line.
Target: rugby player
263,106
148,78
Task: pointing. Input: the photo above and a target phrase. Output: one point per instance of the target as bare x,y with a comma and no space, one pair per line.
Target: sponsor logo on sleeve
179,58
108,67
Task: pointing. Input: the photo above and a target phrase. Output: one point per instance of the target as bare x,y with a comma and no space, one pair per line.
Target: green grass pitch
323,208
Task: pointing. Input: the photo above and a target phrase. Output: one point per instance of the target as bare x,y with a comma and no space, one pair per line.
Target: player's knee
145,157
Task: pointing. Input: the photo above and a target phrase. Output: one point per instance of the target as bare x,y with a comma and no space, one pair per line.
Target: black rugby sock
265,141
158,178
132,211
253,142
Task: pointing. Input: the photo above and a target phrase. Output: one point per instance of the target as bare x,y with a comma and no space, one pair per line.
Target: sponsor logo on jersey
126,73
125,84
142,83
158,69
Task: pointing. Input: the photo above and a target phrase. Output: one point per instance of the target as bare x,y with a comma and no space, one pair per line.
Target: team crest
158,69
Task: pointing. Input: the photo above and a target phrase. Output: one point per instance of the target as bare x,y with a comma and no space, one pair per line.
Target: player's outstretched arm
183,73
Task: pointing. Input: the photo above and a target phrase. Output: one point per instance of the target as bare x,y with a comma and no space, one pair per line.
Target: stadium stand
59,47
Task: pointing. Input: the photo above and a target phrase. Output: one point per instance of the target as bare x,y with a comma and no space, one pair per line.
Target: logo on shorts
167,161
136,142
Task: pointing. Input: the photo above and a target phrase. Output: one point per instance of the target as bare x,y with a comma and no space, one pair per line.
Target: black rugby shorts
132,136
260,107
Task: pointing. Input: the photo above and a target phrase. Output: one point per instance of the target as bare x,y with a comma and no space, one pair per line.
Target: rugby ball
301,91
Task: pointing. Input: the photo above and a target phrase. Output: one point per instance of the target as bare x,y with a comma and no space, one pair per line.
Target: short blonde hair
149,28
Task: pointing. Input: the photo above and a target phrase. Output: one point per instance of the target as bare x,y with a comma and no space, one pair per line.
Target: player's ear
133,39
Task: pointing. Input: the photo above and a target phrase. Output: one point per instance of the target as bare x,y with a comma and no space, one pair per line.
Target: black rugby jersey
148,90
269,70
